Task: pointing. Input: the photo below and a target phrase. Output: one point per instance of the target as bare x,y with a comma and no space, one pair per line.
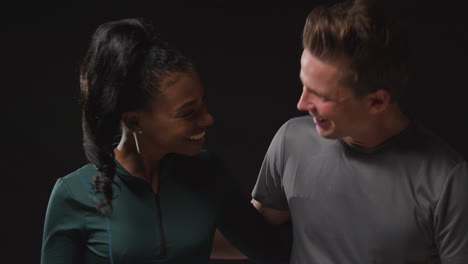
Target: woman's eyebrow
186,105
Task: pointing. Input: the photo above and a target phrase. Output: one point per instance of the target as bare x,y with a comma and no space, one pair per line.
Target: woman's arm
223,249
62,240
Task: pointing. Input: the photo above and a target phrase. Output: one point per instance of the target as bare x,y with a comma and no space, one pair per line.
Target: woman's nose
206,119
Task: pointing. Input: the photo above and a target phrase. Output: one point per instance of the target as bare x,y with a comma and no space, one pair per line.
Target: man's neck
390,123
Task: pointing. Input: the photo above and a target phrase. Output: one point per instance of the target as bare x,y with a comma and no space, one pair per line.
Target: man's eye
323,98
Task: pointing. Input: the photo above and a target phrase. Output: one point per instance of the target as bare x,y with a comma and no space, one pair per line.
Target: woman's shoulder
83,175
205,168
204,159
203,155
77,184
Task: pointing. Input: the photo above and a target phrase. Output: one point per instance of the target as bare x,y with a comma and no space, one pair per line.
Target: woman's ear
378,101
130,119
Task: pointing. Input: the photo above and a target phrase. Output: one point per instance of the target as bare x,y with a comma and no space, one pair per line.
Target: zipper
157,199
161,230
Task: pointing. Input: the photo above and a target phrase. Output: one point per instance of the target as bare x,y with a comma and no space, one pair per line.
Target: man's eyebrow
310,89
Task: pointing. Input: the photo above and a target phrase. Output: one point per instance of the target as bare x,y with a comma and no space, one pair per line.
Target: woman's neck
142,165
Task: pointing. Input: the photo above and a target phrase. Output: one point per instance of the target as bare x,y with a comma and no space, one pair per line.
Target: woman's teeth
197,136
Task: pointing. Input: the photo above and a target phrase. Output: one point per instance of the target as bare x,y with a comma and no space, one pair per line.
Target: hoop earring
136,140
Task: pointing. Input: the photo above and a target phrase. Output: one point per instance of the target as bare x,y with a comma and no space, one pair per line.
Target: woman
154,196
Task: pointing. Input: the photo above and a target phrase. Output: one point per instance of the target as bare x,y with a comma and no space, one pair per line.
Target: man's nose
305,102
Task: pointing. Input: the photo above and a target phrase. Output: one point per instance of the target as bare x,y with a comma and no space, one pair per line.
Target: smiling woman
177,118
154,196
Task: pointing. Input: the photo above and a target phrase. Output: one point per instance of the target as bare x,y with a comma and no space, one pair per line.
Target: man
359,180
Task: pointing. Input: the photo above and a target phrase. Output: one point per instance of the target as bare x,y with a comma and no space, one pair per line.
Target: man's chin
326,133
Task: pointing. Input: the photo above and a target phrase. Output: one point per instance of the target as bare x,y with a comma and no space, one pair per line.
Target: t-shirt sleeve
269,189
62,240
451,217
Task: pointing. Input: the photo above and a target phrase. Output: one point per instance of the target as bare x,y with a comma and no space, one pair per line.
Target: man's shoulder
301,121
299,126
436,148
298,135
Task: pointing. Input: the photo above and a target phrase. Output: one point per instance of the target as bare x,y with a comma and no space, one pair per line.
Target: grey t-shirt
405,201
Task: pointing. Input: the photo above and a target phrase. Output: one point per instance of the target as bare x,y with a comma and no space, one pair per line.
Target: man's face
336,110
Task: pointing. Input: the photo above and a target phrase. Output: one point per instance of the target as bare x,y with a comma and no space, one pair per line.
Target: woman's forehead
178,88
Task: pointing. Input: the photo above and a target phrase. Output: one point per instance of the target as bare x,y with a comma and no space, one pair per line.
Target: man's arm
451,217
272,216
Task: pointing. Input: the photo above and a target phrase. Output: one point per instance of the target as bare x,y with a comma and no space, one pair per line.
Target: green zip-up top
176,225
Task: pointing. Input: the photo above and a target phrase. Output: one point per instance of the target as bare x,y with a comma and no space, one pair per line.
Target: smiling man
359,180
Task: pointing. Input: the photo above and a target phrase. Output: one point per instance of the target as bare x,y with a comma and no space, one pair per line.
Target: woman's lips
197,138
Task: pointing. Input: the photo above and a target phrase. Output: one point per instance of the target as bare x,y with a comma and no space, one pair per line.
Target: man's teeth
197,136
321,119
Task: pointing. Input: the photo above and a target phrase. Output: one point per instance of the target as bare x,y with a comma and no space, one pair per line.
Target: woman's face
178,118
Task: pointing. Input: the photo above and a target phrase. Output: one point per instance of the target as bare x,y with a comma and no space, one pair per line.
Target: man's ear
378,101
130,119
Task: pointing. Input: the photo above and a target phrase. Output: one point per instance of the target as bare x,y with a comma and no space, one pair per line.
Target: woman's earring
136,140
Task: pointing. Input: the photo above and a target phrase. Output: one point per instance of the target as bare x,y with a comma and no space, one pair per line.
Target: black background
248,57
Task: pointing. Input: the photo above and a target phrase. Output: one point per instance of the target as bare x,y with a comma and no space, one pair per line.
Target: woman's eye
193,112
187,114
